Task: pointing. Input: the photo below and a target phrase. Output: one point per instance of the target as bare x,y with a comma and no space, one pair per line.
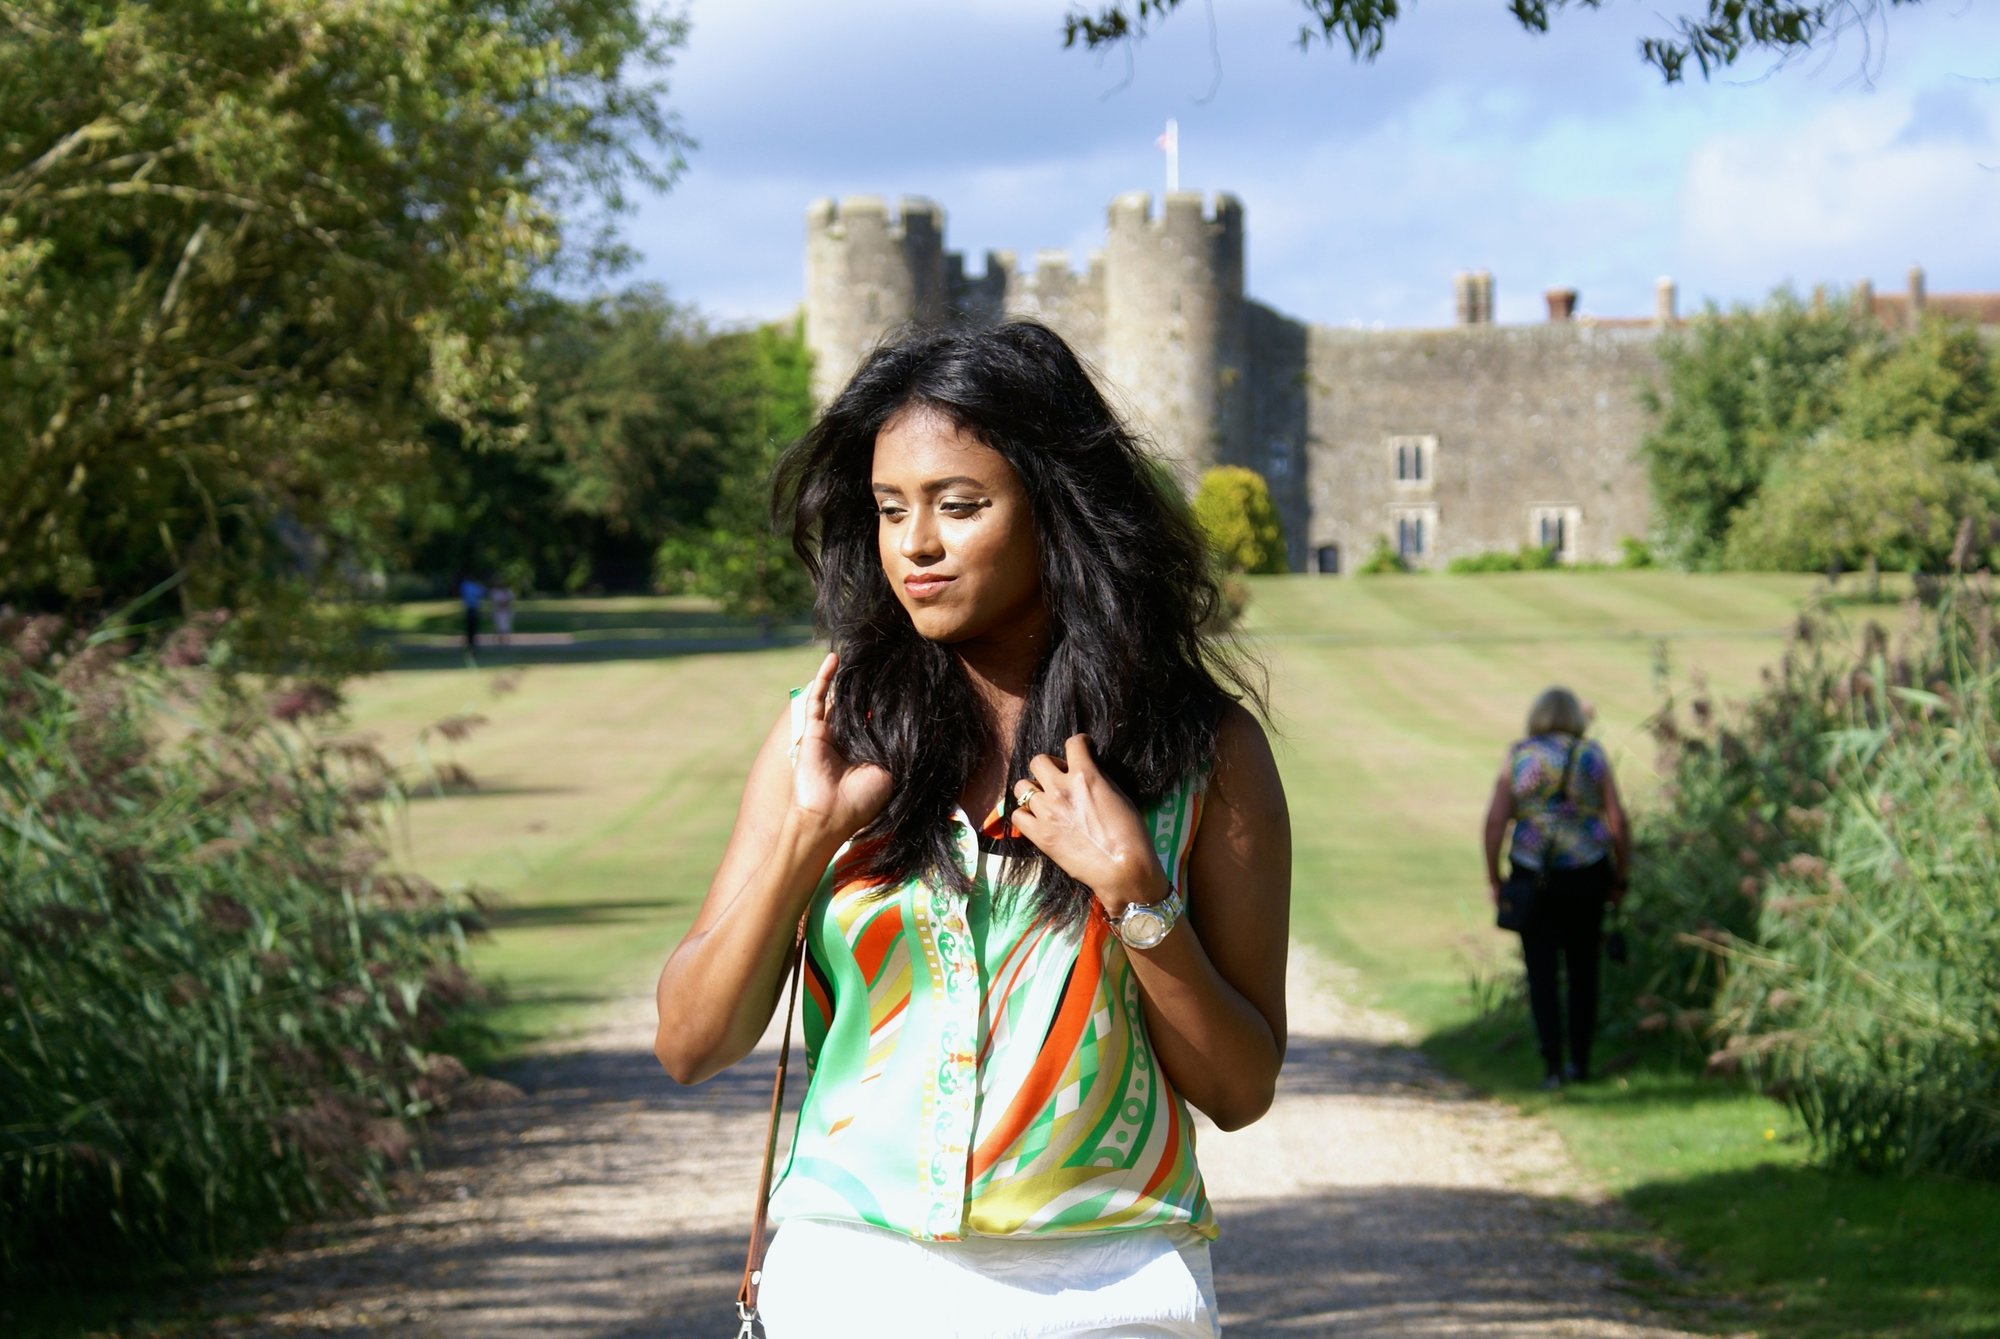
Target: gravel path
1379,1197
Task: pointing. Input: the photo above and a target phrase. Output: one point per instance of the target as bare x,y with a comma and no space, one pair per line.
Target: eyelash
957,510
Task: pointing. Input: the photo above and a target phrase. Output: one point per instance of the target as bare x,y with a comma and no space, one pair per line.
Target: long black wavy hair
1125,576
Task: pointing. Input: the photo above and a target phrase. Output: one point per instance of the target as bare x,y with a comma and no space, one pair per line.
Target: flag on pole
1170,142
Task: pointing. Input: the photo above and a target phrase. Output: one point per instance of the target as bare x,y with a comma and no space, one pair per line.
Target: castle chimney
1464,298
1916,294
1482,298
1819,298
1666,301
1562,304
1864,299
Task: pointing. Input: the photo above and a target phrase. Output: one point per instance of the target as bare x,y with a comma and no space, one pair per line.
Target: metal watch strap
1170,909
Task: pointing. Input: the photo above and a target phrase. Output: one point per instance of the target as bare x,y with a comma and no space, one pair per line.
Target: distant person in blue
470,593
1555,788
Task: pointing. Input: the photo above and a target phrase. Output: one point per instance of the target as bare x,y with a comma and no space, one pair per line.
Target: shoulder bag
753,1260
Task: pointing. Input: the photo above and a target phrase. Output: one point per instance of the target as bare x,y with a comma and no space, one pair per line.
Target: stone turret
1174,327
867,274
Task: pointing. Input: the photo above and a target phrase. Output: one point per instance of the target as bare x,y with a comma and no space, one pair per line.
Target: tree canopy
1712,37
250,255
1808,438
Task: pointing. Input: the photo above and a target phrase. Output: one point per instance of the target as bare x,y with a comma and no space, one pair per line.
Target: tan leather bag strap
753,1261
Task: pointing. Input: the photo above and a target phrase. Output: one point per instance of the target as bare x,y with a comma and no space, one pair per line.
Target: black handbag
1524,889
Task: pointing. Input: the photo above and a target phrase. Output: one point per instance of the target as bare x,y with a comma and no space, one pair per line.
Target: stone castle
1442,442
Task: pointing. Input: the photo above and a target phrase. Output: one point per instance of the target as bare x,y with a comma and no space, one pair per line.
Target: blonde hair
1557,712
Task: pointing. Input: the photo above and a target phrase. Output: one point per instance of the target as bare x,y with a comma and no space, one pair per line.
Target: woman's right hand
835,796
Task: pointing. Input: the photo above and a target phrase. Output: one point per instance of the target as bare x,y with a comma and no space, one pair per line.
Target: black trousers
1564,940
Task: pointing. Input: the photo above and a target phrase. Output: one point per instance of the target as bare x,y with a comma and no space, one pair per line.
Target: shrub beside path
1378,1197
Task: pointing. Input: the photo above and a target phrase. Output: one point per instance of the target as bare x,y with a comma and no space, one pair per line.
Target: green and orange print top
975,1071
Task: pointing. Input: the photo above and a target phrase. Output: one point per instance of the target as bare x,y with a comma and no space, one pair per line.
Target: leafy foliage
627,439
1839,501
1233,506
217,1010
247,253
1527,558
761,391
1382,560
1714,38
1737,392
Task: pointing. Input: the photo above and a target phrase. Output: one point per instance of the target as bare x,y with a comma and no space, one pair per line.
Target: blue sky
1555,160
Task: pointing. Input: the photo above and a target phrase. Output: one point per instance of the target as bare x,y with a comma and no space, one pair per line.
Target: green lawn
607,790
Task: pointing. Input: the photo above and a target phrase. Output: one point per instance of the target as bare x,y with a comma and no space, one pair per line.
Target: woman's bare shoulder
1243,756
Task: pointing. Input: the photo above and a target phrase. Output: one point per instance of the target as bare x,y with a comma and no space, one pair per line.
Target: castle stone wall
1516,420
867,274
1513,425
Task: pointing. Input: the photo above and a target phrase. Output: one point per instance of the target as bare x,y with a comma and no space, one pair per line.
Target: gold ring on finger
1025,796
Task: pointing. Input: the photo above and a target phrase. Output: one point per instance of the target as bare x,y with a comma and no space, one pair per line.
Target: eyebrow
935,485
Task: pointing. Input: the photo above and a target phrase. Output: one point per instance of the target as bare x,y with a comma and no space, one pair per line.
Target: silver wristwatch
1144,924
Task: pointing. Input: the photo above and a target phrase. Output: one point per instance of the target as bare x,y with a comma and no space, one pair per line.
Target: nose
921,540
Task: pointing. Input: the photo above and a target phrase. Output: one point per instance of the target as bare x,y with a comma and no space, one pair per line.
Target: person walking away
470,593
1556,791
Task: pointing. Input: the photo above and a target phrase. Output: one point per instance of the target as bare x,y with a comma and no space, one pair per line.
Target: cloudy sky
1468,144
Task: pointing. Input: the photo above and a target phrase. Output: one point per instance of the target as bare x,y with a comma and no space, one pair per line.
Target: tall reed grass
218,1010
1817,899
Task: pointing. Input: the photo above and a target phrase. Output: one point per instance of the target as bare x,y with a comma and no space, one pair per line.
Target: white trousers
831,1280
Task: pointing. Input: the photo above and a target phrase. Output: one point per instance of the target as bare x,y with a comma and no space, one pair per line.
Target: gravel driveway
1378,1197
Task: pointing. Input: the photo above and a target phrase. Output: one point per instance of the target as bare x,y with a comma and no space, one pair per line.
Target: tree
1714,39
1941,377
1841,501
736,554
248,254
1234,509
1737,391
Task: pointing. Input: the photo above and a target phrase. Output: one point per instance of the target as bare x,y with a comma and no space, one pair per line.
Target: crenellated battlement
1522,431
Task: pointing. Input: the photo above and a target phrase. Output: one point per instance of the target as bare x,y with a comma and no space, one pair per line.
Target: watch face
1142,927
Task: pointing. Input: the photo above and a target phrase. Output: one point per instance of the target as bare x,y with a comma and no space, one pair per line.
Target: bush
1635,553
1382,560
217,1011
1838,501
1234,509
1527,558
1814,896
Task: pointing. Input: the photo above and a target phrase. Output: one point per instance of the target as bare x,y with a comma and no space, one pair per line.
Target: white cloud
1841,195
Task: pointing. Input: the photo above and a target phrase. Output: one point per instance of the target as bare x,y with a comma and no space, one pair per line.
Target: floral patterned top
975,1071
1574,819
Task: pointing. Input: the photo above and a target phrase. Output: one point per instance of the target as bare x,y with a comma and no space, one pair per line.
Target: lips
923,585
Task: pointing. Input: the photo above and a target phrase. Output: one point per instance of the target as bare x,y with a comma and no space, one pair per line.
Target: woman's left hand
1082,821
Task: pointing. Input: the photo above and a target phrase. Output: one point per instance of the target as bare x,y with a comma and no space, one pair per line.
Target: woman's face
955,530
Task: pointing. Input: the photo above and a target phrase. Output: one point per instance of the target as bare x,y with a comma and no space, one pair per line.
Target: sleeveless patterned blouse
1575,819
974,1071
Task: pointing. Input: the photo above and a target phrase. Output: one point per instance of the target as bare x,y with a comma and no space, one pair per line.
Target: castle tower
1174,341
867,274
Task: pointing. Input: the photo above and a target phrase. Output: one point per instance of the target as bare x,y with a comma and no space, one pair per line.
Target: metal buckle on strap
748,1330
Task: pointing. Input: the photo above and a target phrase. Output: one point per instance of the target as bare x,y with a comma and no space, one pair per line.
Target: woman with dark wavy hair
1006,1019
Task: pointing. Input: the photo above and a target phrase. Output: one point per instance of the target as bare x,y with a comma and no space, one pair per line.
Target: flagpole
1173,155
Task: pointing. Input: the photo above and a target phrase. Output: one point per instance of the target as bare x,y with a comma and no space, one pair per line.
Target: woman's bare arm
1215,999
720,985
1499,813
